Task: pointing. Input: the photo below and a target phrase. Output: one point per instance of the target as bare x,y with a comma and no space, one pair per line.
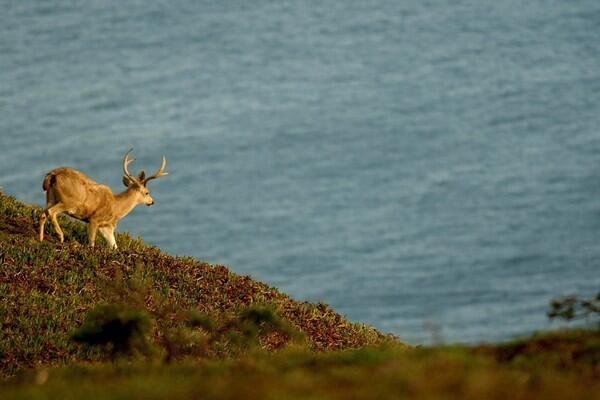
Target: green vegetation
137,323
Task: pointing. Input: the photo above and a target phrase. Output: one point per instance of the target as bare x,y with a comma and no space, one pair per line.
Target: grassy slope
45,290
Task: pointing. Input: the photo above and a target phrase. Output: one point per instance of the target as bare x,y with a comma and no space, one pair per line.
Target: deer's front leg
108,232
92,229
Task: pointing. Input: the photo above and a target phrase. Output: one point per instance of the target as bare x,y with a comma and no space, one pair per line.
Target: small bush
254,323
118,330
572,308
195,319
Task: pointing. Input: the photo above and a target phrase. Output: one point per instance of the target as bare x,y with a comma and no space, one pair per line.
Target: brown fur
68,190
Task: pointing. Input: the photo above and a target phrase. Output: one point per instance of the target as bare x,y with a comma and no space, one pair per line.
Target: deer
72,192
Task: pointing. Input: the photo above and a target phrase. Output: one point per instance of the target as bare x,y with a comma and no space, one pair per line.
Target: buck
68,190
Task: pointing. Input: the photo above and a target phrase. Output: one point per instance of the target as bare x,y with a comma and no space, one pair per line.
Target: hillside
209,333
47,288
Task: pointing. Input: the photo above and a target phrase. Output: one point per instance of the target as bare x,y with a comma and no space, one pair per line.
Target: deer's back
81,194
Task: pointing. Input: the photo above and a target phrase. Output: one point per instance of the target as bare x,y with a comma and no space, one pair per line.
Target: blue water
431,168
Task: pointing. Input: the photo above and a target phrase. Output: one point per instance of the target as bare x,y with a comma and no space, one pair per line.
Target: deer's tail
49,181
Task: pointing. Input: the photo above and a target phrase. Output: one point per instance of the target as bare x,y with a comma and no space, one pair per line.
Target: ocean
430,168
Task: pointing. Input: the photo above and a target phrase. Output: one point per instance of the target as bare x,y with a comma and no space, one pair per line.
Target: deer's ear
142,176
127,181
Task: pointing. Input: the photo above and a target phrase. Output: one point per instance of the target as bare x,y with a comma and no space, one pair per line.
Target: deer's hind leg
53,212
50,201
44,216
43,219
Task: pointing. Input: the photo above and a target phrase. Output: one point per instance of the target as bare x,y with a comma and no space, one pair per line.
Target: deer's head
138,184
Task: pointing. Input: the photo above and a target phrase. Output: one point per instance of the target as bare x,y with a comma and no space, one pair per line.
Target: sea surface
428,167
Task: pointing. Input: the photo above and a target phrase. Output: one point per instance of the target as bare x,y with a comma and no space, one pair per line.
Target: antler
159,173
126,162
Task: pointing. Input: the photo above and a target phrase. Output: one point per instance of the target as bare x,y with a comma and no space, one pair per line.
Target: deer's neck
125,202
